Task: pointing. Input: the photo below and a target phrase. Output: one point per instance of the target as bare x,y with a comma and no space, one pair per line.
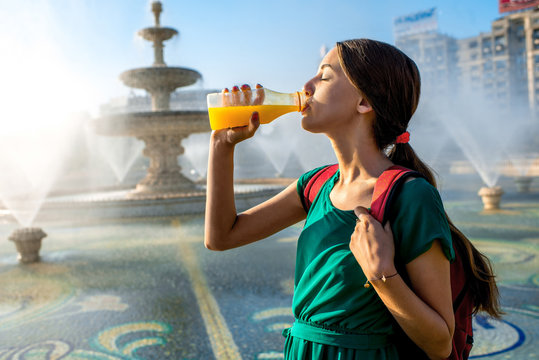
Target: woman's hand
373,246
232,136
240,97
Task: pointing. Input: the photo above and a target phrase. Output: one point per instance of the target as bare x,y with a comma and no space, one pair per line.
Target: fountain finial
157,8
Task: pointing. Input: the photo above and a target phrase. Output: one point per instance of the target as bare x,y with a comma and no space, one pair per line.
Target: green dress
335,316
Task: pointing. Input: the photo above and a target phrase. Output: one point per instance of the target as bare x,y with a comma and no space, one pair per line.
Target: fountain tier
160,82
162,133
157,33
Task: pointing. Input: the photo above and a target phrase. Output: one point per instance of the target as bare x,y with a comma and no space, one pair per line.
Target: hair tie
403,138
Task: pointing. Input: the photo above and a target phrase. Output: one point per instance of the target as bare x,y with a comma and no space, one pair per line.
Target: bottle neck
301,98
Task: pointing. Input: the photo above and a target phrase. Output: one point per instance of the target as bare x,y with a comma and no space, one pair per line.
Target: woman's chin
310,126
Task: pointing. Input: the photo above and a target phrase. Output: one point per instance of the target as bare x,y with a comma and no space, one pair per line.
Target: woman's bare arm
425,311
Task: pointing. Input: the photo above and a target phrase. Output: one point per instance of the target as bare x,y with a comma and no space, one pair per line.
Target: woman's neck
359,159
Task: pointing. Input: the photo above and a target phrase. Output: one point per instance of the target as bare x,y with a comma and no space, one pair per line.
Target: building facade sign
513,5
423,21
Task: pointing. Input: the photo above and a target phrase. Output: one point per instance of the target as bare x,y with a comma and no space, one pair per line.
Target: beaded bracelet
383,278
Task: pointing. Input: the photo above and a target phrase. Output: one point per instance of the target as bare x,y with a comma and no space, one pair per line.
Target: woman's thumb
360,210
255,122
387,228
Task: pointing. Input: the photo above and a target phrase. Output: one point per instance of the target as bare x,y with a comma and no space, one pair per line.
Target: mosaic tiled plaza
146,288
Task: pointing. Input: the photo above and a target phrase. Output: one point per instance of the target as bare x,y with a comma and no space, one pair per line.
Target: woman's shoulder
418,218
418,196
419,189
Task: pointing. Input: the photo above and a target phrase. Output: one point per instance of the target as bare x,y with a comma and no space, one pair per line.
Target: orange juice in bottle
234,108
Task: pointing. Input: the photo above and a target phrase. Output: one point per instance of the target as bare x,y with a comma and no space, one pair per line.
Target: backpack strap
315,183
386,188
460,296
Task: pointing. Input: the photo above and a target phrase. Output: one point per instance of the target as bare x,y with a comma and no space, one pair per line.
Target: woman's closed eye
324,77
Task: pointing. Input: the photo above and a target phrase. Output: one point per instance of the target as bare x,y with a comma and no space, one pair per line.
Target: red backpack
385,190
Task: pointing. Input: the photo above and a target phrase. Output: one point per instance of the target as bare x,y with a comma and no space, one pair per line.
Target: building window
487,66
519,31
500,44
487,47
472,44
501,64
520,63
497,28
535,36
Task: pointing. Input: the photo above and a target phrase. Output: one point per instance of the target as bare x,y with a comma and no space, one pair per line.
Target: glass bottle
229,109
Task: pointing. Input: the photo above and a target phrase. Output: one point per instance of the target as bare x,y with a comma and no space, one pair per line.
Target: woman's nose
308,88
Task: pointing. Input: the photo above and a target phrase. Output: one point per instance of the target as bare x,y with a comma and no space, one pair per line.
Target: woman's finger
236,96
247,94
225,97
260,95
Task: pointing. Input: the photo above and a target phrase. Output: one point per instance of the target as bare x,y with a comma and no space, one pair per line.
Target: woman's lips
305,108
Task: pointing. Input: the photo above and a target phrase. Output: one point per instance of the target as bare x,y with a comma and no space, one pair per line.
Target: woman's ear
363,105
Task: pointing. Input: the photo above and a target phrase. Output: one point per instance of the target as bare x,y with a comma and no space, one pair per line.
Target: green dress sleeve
417,219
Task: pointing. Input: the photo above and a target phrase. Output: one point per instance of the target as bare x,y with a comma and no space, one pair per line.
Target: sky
68,54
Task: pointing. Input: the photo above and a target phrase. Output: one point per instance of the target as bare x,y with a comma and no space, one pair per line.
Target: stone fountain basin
153,123
157,33
159,78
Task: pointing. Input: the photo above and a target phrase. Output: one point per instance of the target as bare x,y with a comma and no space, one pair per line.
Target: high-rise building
436,56
502,65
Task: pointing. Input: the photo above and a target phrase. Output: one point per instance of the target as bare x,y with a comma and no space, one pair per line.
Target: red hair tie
403,138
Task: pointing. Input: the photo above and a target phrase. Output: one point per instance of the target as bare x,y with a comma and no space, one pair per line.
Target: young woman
362,98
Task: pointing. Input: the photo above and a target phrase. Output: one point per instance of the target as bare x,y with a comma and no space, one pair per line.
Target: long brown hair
391,82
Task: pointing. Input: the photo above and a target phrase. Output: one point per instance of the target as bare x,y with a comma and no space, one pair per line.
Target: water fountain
26,180
522,163
27,241
161,129
479,127
164,191
522,153
523,183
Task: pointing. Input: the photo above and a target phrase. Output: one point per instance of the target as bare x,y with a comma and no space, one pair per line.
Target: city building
502,65
436,56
